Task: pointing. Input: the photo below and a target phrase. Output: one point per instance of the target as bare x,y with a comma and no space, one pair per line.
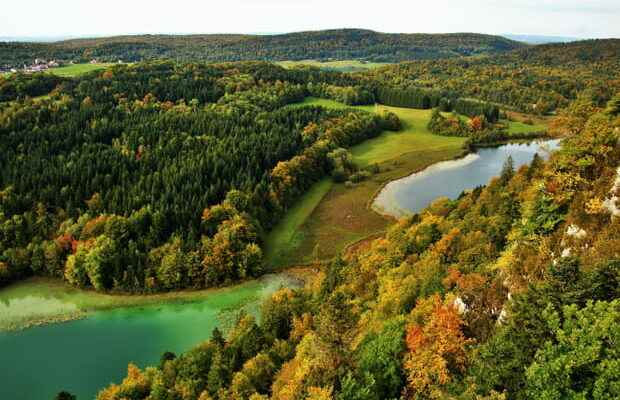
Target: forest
340,44
535,80
160,176
166,175
511,291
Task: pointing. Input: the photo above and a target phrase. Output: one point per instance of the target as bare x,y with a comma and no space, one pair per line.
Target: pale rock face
576,232
566,252
503,317
612,204
460,305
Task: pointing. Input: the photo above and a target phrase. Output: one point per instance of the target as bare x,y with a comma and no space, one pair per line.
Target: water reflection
449,178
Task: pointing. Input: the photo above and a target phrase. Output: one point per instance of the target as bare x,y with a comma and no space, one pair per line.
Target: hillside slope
511,292
536,79
330,44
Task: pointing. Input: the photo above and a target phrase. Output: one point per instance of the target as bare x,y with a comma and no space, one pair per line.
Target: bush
339,175
373,168
360,176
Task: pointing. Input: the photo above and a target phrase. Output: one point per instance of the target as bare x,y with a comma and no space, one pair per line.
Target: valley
329,215
328,218
343,216
336,215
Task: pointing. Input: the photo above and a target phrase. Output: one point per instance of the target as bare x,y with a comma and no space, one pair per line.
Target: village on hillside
39,65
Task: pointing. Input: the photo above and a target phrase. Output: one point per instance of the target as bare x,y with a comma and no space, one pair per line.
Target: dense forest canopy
341,44
511,291
156,176
160,176
536,79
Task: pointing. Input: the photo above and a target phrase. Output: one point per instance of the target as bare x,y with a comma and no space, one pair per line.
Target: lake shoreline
378,209
61,319
114,301
371,202
64,348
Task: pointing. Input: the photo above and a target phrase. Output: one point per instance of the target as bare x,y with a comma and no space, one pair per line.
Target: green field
520,127
414,136
314,101
70,71
343,215
287,235
342,66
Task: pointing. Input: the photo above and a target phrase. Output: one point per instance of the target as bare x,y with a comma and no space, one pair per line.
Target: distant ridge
583,52
339,44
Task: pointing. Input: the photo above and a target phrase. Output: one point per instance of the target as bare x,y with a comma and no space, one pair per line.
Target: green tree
380,360
508,170
582,359
613,106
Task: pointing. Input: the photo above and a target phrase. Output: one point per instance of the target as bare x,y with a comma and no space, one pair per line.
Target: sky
575,18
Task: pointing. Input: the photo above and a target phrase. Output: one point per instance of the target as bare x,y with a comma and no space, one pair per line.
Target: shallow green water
86,355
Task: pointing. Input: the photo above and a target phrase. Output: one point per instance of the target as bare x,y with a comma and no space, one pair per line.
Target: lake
450,178
84,356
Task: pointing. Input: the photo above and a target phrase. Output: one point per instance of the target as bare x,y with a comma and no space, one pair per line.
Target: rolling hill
339,44
537,79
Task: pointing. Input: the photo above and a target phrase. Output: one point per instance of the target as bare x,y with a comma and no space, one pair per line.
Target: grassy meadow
516,127
73,70
70,71
315,101
342,215
287,234
342,66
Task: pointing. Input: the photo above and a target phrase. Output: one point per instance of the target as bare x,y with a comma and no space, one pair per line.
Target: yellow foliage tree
436,348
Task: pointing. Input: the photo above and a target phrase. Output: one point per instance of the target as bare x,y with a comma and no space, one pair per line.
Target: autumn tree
437,348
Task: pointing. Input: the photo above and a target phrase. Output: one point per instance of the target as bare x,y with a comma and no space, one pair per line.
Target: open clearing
314,101
287,235
342,66
343,215
70,71
520,127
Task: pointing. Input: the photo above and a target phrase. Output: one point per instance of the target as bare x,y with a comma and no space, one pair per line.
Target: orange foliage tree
437,348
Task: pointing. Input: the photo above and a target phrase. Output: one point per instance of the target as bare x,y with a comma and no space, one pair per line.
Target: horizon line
63,37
